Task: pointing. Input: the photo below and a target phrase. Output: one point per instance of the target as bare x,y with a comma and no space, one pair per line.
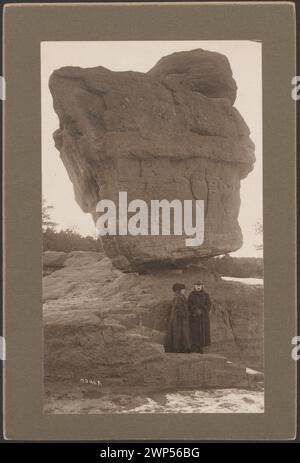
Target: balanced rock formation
171,133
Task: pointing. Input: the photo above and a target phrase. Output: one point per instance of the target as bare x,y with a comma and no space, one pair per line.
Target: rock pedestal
103,324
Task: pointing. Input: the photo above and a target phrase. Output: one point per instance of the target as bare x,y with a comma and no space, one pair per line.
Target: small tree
65,240
259,231
47,223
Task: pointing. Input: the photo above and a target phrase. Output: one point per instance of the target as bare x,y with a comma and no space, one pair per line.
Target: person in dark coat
177,337
199,305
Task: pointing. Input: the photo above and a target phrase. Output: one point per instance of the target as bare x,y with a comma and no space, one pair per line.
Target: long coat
177,337
199,305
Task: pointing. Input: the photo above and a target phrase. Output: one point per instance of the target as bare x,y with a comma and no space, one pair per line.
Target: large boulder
171,133
52,261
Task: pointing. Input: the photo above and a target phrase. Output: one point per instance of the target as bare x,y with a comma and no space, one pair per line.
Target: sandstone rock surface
171,133
105,324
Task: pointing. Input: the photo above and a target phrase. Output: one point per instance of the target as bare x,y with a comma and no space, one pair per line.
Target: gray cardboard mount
25,27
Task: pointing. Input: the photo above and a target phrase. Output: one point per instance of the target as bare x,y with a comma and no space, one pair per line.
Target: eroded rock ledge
105,324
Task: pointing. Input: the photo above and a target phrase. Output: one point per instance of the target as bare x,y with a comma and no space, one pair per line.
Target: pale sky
245,60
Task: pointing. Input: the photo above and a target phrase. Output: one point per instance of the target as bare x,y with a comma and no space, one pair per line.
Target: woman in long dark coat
199,305
177,337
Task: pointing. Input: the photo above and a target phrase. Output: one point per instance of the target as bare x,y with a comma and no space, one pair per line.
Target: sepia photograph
152,224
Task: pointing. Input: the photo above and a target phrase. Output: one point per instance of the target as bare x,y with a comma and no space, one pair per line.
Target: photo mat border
25,26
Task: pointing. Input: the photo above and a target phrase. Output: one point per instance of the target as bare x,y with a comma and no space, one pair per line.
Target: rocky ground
104,332
183,401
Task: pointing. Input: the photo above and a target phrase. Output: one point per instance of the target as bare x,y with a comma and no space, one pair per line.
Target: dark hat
199,283
178,287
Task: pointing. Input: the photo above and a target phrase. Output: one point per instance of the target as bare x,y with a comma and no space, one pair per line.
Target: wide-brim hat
199,283
178,287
